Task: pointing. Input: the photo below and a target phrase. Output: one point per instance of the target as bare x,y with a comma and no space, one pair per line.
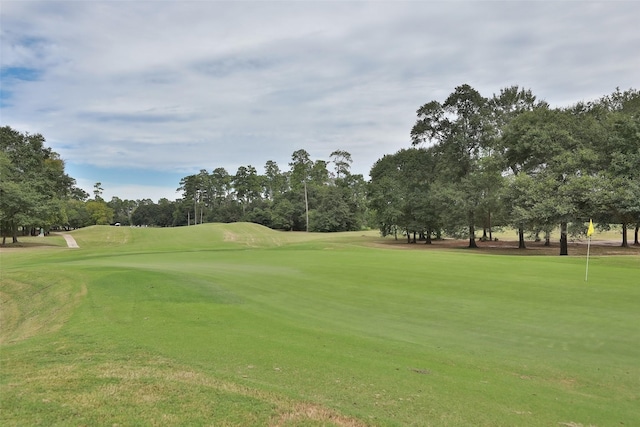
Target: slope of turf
240,325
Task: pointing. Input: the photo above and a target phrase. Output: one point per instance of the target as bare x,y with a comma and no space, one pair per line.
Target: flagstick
586,274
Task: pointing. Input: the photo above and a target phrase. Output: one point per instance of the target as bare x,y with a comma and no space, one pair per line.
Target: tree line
512,160
33,184
309,196
474,163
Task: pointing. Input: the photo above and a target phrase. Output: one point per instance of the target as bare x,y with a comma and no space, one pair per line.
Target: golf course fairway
240,325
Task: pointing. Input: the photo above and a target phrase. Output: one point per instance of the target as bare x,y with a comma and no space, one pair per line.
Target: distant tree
100,212
319,173
191,190
356,189
180,212
122,210
283,213
19,201
504,107
77,215
618,149
33,184
275,181
300,176
165,211
462,131
78,194
159,214
384,194
556,149
335,211
97,191
221,186
511,102
247,185
402,193
342,163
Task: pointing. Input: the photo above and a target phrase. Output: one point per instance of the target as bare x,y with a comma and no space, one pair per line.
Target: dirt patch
8,247
302,412
573,424
505,247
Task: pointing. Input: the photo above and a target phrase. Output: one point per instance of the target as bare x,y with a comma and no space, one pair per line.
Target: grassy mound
200,237
236,324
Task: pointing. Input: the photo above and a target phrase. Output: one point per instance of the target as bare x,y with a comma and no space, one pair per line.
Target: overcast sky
137,94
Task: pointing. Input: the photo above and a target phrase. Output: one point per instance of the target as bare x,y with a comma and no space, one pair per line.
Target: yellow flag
590,230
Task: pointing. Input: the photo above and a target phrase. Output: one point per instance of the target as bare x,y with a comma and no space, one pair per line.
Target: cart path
71,242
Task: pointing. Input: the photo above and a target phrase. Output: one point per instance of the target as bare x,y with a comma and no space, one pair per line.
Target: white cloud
181,86
130,191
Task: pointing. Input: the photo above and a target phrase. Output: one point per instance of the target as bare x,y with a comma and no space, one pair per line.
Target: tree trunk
521,244
625,243
635,238
564,243
472,230
427,237
306,204
408,236
14,233
472,237
414,237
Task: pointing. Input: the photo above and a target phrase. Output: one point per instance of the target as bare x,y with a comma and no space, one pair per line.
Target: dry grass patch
302,413
35,305
287,411
155,391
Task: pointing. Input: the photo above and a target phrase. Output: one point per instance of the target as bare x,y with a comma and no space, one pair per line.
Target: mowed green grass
236,324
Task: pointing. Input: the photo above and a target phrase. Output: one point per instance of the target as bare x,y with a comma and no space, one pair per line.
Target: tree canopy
474,163
33,183
533,166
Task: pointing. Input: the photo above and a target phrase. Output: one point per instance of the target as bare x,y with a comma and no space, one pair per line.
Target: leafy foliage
33,184
476,163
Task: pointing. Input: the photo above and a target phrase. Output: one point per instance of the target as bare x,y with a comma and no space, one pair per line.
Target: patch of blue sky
8,74
5,97
124,176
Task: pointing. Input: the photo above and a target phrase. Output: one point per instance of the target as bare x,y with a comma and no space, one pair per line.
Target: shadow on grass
576,248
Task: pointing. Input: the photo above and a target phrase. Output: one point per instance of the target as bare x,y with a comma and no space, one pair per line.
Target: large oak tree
33,184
